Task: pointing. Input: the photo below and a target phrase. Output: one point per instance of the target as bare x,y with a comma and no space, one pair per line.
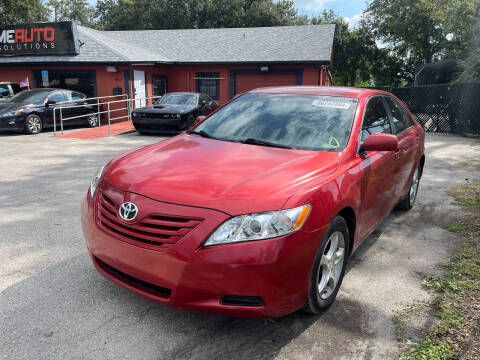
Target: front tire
33,124
328,267
190,121
409,200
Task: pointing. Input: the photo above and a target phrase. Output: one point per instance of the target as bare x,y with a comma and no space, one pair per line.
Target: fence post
98,111
109,131
54,123
61,119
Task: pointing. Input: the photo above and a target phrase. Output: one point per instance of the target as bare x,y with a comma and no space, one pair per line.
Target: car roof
342,91
48,89
184,92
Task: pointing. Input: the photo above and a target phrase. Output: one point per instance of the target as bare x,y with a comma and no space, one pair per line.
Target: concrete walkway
100,131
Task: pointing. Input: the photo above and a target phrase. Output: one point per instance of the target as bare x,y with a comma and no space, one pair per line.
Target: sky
349,9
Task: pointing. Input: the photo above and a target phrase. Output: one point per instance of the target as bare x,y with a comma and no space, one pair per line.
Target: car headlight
96,180
259,226
12,113
179,116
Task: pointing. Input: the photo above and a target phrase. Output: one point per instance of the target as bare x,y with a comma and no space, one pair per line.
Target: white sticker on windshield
331,104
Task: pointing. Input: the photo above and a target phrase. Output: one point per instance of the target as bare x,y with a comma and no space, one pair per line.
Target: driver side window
375,119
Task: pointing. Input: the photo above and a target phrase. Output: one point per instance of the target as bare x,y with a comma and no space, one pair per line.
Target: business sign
55,38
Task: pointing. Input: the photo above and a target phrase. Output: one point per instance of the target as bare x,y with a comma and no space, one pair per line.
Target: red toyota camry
256,210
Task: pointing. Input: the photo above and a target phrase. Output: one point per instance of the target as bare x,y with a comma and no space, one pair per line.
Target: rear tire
33,124
328,267
92,120
409,200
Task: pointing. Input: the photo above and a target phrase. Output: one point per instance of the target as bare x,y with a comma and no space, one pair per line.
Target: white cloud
354,20
312,4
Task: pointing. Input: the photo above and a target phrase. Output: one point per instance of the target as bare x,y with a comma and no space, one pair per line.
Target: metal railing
129,105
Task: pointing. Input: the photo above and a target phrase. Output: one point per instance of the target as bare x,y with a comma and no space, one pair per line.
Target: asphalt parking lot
54,305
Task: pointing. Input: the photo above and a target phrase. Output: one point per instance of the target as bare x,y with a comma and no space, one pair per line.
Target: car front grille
154,231
154,115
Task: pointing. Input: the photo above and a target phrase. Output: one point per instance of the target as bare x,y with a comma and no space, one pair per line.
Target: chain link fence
447,108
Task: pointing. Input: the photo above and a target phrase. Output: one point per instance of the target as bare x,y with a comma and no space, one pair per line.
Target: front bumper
189,276
12,123
159,125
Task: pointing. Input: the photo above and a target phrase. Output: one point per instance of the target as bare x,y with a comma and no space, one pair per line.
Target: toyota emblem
128,211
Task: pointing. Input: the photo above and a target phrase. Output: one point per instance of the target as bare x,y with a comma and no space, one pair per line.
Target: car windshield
305,122
178,99
29,96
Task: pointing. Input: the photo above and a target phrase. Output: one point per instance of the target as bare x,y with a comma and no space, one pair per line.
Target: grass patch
463,163
468,195
430,349
456,301
466,163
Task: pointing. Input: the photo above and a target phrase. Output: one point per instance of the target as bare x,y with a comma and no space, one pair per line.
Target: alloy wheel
331,265
92,120
34,125
414,187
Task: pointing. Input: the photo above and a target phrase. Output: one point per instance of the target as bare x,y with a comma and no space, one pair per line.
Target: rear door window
400,118
376,119
77,96
57,97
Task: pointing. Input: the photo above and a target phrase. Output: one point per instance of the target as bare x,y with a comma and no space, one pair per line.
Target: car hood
231,177
167,109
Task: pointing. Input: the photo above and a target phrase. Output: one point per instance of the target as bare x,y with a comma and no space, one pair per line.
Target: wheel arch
351,219
421,162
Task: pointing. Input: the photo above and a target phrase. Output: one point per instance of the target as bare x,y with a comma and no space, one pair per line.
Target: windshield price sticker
331,104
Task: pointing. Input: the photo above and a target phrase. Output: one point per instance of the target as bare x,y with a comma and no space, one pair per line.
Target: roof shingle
310,43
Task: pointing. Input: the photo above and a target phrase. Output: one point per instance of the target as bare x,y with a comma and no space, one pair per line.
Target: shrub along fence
447,108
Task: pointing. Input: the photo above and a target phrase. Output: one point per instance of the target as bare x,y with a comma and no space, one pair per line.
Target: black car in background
173,113
32,110
8,89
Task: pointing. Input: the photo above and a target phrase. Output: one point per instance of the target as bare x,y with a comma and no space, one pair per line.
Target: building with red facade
220,62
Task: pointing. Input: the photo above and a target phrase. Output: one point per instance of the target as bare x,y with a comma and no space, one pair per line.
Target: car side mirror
51,102
380,142
199,119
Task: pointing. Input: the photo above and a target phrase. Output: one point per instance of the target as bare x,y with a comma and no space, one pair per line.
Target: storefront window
208,83
83,81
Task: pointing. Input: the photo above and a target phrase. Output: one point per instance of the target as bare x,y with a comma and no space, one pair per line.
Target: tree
22,11
78,10
408,29
167,14
357,60
423,31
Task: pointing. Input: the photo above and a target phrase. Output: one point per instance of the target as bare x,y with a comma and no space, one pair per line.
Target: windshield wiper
254,141
202,133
